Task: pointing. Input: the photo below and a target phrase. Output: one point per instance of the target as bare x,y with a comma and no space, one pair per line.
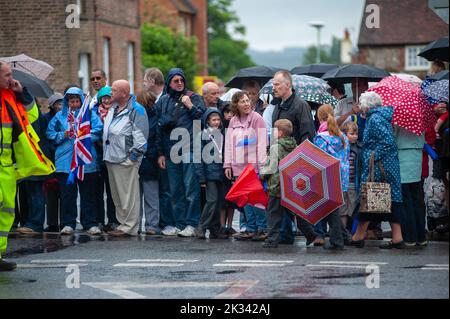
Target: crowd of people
145,159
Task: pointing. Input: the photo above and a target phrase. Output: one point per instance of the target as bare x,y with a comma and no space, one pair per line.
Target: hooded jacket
379,139
173,114
125,134
332,145
270,171
64,146
213,143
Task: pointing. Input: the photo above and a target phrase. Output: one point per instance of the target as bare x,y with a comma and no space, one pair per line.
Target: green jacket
269,172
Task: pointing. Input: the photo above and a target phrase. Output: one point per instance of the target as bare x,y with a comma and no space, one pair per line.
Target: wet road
157,267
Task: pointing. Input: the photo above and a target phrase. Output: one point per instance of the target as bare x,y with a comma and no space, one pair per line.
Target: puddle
227,272
45,243
356,275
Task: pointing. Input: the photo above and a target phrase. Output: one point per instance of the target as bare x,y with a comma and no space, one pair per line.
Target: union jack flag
81,154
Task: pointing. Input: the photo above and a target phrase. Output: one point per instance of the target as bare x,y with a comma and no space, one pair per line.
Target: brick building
108,38
406,27
189,17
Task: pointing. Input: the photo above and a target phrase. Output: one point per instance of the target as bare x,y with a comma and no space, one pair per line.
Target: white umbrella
227,96
24,63
408,78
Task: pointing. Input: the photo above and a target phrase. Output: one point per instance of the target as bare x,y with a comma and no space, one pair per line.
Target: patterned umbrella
310,182
309,88
438,91
425,84
411,110
24,63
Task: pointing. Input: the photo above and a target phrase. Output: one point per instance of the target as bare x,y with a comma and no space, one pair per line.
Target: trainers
189,231
422,243
94,231
26,231
67,230
410,244
260,236
7,266
170,231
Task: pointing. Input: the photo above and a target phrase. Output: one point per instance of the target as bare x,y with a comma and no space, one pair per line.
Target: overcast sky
275,24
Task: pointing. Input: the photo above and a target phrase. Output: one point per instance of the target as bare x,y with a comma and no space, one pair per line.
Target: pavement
159,267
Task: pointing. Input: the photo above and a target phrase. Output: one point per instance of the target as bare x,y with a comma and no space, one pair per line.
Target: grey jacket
125,134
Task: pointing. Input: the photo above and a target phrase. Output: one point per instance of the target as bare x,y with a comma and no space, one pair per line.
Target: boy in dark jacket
211,176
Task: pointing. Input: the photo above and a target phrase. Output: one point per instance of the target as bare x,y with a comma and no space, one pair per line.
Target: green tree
226,55
310,57
164,49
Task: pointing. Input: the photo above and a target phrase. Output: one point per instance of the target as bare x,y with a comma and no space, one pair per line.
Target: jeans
36,204
185,194
413,219
166,217
69,201
256,219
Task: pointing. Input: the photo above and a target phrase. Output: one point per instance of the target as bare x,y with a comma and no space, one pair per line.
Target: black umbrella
35,86
346,73
261,74
443,75
315,70
436,50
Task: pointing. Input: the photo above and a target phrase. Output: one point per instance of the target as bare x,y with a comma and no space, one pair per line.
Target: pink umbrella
411,110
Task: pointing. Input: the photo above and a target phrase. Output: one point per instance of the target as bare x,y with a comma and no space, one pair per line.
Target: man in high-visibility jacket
20,155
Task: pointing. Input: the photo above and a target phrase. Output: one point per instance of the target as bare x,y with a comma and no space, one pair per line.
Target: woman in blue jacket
59,131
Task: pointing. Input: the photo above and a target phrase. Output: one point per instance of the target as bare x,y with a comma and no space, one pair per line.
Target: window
131,65
106,53
83,72
414,62
184,25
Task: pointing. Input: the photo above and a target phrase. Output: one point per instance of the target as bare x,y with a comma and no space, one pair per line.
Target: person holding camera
178,110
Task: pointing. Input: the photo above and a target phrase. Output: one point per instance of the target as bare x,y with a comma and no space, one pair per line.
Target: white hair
369,100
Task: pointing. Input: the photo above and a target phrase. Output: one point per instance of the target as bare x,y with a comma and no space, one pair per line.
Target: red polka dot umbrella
310,182
411,110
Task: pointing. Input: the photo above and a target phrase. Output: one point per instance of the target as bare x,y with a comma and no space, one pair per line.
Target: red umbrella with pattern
310,181
411,110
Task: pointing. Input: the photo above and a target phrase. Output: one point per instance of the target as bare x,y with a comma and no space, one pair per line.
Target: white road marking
253,263
163,260
354,262
148,265
63,261
121,289
437,265
339,266
259,261
47,266
248,265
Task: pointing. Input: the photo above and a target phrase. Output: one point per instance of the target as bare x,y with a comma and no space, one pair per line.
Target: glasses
96,78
